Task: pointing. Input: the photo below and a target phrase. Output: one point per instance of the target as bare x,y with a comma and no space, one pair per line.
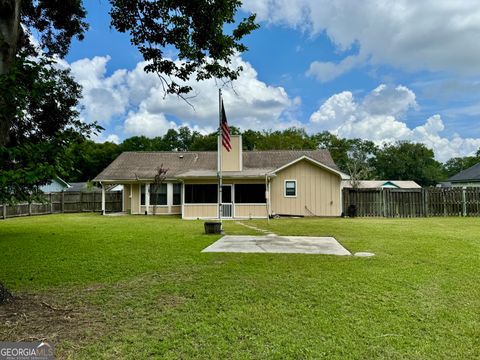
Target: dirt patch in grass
32,317
75,317
5,295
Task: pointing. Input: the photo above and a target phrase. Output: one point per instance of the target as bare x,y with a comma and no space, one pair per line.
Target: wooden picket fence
413,202
65,202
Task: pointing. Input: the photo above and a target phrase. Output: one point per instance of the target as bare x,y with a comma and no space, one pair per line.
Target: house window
290,188
201,194
250,194
158,194
177,194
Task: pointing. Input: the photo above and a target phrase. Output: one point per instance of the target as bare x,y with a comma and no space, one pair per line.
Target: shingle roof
470,174
143,165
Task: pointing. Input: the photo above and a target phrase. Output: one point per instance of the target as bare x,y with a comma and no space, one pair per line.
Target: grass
138,287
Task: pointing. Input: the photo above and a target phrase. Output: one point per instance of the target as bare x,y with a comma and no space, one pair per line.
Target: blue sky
386,71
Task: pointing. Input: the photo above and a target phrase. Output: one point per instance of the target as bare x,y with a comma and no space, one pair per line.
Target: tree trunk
10,32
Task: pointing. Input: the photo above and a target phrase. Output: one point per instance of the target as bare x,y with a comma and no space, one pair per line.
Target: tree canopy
196,29
457,164
361,159
40,131
40,103
408,161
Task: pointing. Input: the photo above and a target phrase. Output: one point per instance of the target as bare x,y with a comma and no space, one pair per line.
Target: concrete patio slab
278,244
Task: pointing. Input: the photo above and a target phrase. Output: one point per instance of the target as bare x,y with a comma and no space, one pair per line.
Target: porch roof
248,173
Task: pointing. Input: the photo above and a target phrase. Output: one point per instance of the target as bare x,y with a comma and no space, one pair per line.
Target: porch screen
201,194
177,194
142,194
250,194
158,194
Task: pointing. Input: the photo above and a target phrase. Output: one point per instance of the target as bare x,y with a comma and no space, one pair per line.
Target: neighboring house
256,184
444,184
469,177
90,187
114,188
383,184
59,185
82,187
56,185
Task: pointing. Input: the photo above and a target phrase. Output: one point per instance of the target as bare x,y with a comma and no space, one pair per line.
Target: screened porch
239,200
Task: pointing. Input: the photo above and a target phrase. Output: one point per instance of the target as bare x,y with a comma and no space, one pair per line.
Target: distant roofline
462,180
461,177
60,180
381,183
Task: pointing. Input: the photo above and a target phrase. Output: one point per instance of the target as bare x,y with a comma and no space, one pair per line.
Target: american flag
225,131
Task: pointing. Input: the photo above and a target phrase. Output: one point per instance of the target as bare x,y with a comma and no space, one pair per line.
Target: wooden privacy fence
413,202
65,202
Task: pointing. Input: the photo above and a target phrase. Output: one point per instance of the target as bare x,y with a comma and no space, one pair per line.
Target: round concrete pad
364,254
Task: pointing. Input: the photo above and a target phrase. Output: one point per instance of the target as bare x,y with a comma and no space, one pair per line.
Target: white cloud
378,117
250,104
413,35
113,139
325,71
102,137
140,99
148,124
338,109
132,102
389,100
104,97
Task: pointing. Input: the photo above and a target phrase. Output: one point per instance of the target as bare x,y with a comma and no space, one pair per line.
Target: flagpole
219,151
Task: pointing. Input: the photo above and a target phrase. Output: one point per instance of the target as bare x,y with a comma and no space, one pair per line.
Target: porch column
169,196
147,197
269,198
103,199
131,199
183,199
123,197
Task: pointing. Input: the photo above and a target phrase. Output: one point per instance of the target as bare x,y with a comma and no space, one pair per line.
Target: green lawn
138,287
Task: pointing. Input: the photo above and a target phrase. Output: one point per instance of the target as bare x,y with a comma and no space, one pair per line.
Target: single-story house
467,178
383,184
87,186
82,187
57,184
115,188
256,184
